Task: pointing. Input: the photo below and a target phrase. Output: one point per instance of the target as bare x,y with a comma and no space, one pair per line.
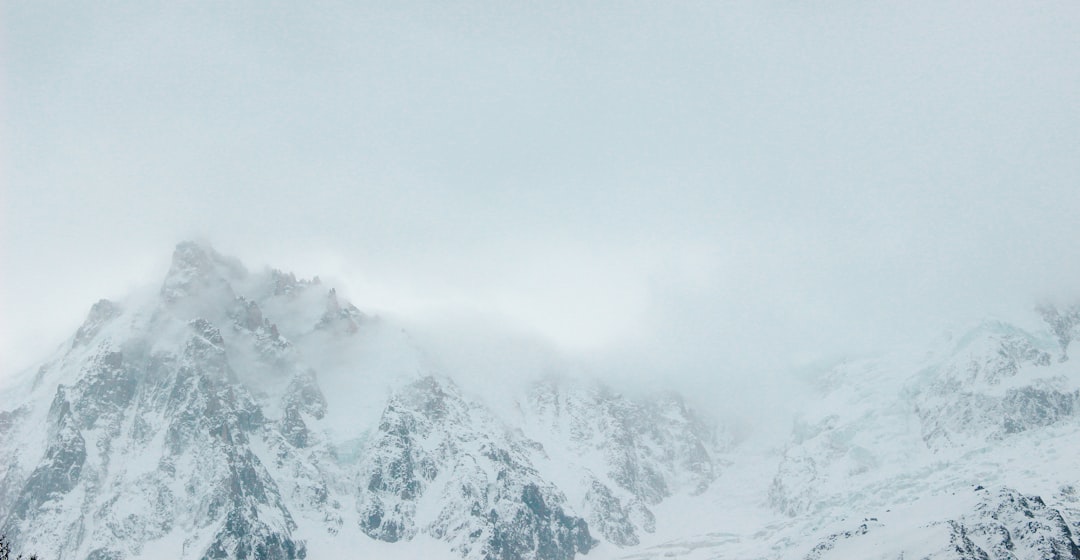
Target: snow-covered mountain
239,414
969,450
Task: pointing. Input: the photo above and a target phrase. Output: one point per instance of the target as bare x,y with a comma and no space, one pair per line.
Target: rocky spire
196,269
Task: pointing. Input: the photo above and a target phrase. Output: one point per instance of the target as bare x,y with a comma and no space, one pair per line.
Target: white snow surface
890,456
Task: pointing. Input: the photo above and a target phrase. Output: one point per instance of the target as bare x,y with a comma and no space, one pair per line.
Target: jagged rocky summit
243,414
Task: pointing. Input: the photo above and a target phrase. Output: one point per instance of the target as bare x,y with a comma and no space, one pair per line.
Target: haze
668,189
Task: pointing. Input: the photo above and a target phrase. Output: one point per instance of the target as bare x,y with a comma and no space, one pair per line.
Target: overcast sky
715,186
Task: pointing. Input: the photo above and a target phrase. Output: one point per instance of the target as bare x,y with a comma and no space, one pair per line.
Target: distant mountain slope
969,450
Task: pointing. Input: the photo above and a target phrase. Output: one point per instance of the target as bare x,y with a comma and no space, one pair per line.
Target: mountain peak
1063,323
100,313
196,268
342,317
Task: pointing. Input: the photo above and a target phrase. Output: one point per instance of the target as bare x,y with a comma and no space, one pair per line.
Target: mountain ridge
197,426
252,414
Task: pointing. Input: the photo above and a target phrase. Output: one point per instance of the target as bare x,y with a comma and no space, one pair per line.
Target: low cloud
693,196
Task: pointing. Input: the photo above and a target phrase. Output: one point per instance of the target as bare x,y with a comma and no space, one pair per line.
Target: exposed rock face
256,415
632,453
149,434
1063,323
493,503
197,427
614,520
1003,525
1024,526
197,271
186,421
992,383
303,399
342,318
101,313
976,393
904,435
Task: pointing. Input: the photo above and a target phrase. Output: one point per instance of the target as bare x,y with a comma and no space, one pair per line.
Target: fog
696,195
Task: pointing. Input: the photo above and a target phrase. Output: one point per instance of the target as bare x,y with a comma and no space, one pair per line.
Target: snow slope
240,414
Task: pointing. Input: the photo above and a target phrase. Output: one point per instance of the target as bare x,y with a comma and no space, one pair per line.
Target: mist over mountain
235,413
239,414
561,280
692,182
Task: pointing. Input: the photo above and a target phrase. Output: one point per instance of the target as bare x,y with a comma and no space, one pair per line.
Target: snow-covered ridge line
252,415
242,414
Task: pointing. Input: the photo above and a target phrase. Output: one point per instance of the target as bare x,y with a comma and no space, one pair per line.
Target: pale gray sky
714,185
